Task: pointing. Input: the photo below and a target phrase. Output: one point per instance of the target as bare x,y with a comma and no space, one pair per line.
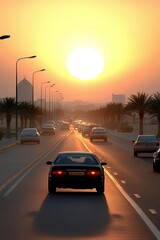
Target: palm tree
28,112
33,112
7,107
139,103
120,111
154,109
24,113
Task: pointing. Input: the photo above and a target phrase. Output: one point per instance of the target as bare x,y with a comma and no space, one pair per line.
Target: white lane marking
153,211
137,195
147,221
19,180
33,166
115,173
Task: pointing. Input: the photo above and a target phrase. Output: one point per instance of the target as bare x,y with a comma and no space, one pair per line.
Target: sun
85,63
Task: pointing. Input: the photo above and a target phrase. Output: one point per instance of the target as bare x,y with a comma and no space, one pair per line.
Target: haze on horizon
125,33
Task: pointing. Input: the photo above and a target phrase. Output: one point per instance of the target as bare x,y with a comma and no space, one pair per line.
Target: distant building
24,91
118,98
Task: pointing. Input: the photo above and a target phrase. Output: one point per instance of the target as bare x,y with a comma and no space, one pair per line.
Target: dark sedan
76,170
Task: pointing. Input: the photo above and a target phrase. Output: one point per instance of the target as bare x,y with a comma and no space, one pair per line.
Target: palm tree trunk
8,127
141,126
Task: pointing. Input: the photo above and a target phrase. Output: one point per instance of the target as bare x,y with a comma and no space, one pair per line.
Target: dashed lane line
147,221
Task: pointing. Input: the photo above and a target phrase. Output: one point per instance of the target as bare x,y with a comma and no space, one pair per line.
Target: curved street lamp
41,91
50,99
41,70
4,37
17,91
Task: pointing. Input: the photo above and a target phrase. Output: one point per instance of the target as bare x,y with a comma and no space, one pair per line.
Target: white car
98,133
30,135
48,128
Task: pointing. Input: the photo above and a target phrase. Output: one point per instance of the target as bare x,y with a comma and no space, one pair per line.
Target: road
129,208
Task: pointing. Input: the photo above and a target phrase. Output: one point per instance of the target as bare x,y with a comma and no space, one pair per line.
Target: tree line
140,103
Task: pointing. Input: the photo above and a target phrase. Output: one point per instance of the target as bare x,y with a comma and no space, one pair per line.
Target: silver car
30,135
145,144
98,133
48,128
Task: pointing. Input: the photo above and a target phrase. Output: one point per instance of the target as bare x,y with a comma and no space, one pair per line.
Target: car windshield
48,125
147,139
76,159
98,130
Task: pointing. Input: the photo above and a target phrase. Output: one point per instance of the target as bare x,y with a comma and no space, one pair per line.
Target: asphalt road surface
128,210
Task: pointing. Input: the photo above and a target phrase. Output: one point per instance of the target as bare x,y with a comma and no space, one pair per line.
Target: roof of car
101,128
76,152
25,129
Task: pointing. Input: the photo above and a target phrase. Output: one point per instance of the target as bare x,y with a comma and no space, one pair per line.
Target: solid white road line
148,222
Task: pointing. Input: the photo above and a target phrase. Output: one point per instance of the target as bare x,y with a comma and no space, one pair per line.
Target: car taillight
93,172
58,172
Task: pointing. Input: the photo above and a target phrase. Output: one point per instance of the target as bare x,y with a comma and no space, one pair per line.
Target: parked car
145,144
87,129
77,170
30,135
48,128
156,161
98,133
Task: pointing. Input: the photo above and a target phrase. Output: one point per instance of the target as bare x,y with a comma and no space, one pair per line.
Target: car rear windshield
26,132
76,159
98,130
147,139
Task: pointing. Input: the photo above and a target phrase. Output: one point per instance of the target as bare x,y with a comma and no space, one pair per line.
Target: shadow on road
73,215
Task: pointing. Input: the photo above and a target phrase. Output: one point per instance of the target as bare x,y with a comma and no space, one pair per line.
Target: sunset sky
125,33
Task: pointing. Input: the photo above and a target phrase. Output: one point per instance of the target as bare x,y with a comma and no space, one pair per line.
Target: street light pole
46,103
33,83
17,91
53,103
57,93
50,100
41,91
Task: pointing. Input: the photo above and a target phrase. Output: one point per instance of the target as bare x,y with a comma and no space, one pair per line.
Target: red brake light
93,172
58,172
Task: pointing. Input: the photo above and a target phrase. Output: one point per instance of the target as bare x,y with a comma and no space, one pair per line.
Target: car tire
91,140
105,139
100,188
21,142
135,154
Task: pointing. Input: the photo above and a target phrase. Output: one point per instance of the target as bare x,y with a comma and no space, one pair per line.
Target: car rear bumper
76,182
146,149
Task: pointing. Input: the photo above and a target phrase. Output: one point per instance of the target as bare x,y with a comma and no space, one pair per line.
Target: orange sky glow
125,33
